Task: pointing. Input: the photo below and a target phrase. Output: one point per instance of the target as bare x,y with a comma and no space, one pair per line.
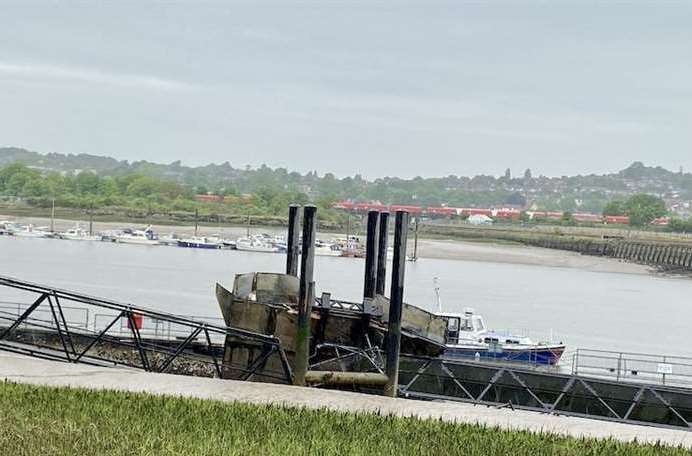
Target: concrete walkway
22,369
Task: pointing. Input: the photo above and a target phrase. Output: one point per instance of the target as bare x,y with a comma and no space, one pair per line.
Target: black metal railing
56,324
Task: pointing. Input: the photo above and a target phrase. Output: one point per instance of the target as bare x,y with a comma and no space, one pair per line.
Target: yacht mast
436,281
415,242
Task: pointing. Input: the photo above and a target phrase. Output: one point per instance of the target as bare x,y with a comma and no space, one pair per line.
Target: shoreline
428,248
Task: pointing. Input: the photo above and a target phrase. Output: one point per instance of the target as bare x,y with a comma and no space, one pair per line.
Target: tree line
143,193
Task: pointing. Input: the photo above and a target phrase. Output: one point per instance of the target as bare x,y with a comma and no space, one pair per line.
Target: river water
583,308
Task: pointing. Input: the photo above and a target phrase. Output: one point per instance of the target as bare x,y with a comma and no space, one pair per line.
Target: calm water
612,311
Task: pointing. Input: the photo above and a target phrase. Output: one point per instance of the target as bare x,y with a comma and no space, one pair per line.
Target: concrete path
22,369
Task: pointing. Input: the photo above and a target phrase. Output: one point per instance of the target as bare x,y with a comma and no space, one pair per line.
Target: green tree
643,208
680,226
614,207
86,183
567,218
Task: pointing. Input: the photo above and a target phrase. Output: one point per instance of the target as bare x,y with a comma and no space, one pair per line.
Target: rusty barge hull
265,303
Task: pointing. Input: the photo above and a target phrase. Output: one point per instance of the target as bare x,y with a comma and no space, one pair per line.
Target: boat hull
69,237
262,249
198,245
544,355
136,241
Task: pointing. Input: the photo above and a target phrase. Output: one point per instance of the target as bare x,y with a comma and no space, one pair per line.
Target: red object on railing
137,319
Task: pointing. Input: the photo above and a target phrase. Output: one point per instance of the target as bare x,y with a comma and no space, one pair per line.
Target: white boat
5,228
323,248
29,231
77,233
146,236
170,240
260,243
227,244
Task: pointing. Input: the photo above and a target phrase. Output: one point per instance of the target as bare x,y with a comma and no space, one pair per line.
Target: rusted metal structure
271,304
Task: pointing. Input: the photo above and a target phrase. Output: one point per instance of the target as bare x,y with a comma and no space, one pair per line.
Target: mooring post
305,296
396,303
196,221
91,220
382,254
371,244
292,249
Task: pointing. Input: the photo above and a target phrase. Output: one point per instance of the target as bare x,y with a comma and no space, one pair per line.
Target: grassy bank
47,421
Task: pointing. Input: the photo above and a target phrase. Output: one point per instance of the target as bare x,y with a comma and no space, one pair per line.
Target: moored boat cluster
266,243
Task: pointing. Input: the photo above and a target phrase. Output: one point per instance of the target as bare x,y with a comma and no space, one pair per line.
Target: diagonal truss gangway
41,322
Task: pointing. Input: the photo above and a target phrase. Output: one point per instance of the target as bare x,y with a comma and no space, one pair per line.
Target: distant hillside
588,193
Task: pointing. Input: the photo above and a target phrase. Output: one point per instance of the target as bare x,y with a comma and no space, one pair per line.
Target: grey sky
377,88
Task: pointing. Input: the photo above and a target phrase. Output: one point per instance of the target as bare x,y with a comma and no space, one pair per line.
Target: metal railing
633,367
81,317
153,327
75,316
55,324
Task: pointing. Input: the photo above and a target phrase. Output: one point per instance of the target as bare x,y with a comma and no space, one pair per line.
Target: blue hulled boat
200,243
467,337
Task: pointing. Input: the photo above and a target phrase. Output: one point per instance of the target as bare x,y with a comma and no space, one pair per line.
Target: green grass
56,421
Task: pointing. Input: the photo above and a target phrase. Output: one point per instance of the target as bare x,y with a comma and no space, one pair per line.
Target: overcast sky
379,88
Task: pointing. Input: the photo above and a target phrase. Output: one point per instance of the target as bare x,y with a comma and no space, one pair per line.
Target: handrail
671,370
58,336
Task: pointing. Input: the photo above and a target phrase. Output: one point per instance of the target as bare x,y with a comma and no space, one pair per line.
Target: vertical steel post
415,242
292,249
52,217
382,254
91,221
396,302
306,296
196,221
371,244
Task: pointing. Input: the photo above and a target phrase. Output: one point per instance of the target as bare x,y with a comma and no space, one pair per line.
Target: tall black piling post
306,296
371,245
382,253
292,248
396,302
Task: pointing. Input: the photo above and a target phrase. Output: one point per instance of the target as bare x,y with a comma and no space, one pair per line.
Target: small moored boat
200,243
323,248
77,233
467,337
29,231
146,236
260,243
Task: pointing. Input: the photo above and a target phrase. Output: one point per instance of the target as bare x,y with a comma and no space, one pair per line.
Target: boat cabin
466,326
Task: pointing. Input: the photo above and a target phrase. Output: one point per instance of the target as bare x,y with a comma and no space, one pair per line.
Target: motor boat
5,228
147,236
468,337
77,233
170,240
197,242
261,243
323,248
28,231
